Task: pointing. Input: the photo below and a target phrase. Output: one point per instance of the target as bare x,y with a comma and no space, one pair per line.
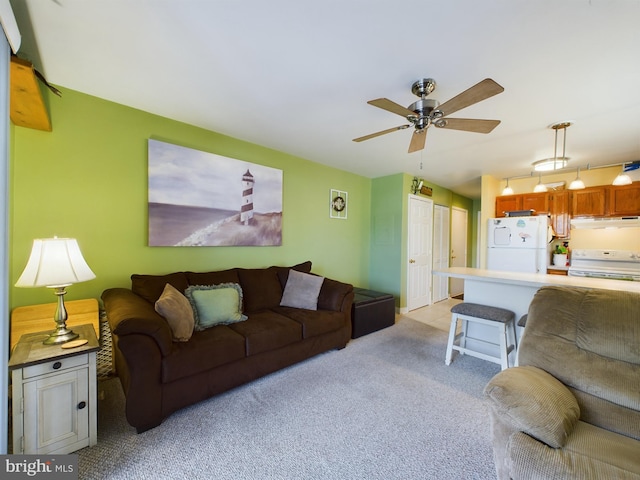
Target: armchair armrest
532,401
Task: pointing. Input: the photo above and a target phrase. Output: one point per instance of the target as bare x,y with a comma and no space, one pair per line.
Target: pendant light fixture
507,190
540,187
555,163
577,184
622,178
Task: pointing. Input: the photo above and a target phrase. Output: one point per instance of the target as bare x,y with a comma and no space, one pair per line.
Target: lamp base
60,335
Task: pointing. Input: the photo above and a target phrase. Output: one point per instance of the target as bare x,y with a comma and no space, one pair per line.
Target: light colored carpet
385,407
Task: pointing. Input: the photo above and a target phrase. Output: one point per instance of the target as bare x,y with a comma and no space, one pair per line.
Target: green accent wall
87,179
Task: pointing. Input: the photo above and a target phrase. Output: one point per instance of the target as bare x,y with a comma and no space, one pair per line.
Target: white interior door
419,252
440,289
459,233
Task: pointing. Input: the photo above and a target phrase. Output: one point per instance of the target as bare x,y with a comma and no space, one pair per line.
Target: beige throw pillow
176,309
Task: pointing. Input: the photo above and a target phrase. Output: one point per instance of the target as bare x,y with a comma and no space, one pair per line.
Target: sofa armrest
532,401
336,296
129,314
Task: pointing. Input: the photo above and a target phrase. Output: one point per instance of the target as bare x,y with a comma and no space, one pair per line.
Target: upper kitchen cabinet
559,202
561,205
589,202
624,200
508,203
539,202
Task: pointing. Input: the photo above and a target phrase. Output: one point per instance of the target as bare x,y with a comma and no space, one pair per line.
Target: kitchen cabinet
54,398
589,202
508,203
624,200
559,202
539,202
536,201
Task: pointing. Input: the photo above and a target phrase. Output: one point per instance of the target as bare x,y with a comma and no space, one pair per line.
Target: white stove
613,264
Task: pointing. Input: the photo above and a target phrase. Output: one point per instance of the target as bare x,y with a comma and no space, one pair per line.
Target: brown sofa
160,375
571,409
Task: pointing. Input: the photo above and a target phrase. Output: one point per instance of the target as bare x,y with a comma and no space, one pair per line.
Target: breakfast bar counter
514,290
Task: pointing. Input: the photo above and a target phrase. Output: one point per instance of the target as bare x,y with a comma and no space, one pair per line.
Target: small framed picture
338,204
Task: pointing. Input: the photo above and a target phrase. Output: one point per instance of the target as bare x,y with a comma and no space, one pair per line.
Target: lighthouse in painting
246,211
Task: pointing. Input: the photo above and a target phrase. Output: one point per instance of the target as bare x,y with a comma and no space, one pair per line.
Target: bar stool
502,320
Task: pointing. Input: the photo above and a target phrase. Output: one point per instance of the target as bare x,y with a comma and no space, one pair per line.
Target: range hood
605,222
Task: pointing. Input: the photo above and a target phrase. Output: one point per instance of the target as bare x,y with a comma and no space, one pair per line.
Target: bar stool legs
500,319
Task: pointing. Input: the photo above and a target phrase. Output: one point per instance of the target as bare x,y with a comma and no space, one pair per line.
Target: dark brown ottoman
371,311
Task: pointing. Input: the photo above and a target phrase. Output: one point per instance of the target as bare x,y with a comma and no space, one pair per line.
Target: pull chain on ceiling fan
425,112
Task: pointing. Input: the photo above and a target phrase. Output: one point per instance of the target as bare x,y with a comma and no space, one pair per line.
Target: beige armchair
572,407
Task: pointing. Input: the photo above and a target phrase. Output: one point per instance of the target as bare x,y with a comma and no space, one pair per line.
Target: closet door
440,252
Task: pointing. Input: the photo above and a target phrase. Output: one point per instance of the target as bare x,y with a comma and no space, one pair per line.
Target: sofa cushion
213,278
535,403
267,330
301,290
215,304
262,288
283,272
176,309
205,350
150,287
316,322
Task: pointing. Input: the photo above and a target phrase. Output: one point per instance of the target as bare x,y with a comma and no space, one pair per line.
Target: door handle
412,260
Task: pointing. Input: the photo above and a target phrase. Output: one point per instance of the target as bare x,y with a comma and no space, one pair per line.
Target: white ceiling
295,75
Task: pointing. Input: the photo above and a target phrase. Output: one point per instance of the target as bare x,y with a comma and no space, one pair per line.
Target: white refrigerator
518,244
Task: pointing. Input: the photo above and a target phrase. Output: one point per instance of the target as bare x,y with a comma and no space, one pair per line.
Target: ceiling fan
425,112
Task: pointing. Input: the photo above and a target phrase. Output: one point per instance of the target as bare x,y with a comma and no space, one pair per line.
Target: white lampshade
55,262
622,179
540,188
577,184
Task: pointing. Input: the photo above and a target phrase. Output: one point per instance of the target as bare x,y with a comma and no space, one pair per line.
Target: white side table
54,394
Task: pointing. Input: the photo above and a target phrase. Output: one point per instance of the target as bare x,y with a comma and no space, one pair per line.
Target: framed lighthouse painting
202,199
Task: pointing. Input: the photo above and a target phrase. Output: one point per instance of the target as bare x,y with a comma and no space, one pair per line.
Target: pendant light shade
577,184
622,178
540,187
507,190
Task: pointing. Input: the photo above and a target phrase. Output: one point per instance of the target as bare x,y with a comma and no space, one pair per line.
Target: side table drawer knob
81,405
57,365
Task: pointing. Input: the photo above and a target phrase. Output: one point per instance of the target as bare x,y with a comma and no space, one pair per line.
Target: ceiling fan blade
393,107
383,132
467,124
480,91
418,140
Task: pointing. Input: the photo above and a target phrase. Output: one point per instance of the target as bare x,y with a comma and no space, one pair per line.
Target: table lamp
56,263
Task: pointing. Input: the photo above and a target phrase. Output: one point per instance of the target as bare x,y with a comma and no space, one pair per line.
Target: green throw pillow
216,304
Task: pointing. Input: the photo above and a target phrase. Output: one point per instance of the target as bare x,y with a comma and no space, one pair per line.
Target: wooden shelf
27,105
